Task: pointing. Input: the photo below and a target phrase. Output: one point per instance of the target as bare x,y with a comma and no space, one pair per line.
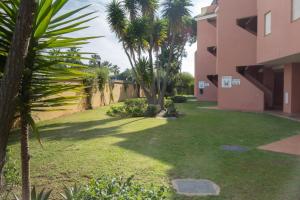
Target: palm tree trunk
25,157
9,84
165,80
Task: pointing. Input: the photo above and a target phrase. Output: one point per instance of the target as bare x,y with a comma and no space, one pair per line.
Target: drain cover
193,187
234,148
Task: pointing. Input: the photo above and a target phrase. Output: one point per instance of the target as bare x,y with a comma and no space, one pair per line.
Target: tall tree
46,75
175,11
10,81
144,35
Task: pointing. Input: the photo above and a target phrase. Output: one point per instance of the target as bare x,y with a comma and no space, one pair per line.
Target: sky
108,46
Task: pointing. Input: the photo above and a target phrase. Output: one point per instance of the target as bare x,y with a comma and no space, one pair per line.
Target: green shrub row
106,188
133,108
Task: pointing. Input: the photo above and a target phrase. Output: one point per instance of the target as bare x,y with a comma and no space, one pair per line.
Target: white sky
108,47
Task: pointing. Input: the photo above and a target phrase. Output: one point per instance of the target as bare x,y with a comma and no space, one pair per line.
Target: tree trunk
161,98
25,157
9,84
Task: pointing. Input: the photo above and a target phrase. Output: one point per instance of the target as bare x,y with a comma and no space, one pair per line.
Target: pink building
248,55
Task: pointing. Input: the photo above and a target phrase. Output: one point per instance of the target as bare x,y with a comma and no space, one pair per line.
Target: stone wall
119,92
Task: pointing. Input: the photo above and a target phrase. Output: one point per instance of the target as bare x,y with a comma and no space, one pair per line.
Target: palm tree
44,75
136,34
175,12
13,48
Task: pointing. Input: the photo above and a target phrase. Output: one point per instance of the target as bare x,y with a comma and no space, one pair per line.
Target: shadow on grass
77,130
191,146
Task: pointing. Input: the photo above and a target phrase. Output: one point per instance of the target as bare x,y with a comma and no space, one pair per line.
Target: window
295,9
201,92
268,23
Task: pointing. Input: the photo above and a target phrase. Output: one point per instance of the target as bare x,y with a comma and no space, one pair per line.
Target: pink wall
205,61
236,47
284,39
291,88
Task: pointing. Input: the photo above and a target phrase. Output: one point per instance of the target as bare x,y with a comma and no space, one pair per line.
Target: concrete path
289,145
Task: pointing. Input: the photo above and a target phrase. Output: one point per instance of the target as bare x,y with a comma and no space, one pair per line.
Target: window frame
292,12
265,23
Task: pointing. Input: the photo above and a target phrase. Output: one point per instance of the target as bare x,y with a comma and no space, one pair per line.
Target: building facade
248,55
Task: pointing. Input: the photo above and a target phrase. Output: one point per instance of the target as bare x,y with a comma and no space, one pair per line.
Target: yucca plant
71,193
45,75
42,195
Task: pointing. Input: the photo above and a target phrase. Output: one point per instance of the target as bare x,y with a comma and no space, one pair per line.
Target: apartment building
248,55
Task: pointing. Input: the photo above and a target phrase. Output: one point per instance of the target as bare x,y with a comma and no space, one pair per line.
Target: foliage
184,83
88,83
46,72
11,173
116,110
145,35
152,110
106,188
102,76
179,99
130,108
171,110
135,107
71,193
42,195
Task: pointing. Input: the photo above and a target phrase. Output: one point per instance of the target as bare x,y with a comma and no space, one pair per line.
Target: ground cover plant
91,144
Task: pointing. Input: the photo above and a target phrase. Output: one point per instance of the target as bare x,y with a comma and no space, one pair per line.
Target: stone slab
235,148
194,187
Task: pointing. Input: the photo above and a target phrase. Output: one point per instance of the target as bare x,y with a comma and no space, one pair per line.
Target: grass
90,144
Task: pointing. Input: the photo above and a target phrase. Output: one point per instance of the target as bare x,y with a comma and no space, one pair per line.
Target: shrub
118,188
179,99
151,111
42,195
135,107
115,111
11,173
171,110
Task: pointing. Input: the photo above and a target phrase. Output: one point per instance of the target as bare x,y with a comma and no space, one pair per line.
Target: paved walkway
289,145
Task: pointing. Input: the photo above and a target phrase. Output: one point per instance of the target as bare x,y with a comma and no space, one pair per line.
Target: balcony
212,50
248,23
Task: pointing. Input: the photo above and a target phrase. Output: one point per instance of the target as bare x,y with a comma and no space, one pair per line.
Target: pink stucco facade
255,71
205,62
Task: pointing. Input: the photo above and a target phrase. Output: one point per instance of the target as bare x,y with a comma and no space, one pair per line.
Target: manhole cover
193,187
234,148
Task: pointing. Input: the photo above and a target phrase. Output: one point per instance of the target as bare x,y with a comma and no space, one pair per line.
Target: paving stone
234,148
193,187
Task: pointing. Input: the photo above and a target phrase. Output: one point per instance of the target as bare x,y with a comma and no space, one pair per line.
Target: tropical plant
71,193
44,75
13,47
184,83
144,35
120,188
42,195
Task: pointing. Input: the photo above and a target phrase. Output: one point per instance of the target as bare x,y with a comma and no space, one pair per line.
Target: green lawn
89,144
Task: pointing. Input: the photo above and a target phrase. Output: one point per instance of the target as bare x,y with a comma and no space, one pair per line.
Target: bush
171,110
115,188
179,99
135,107
131,108
151,111
115,111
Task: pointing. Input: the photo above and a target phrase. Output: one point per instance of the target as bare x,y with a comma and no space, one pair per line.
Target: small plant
135,107
43,195
151,111
119,189
171,110
115,111
11,173
71,193
179,99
